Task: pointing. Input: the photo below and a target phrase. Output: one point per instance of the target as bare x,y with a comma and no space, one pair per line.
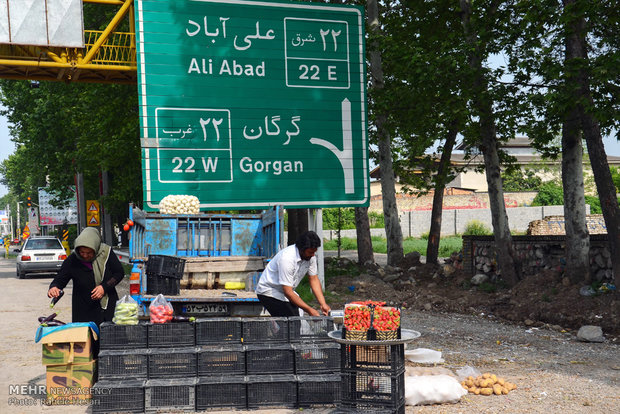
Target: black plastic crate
370,390
168,286
218,360
112,336
172,363
270,359
211,331
317,357
168,266
389,358
262,330
219,392
318,390
272,391
123,363
363,408
310,328
118,396
170,394
170,335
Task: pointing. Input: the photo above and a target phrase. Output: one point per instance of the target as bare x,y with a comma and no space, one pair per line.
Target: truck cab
219,250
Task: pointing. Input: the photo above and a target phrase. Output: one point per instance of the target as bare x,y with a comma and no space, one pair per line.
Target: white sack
432,389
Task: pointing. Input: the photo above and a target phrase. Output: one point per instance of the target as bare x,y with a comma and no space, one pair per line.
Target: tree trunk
577,237
484,109
364,242
432,249
393,231
594,140
297,223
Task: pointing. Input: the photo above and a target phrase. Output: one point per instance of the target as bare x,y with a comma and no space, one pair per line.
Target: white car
40,255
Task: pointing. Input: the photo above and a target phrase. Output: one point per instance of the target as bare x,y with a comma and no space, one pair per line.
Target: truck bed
214,295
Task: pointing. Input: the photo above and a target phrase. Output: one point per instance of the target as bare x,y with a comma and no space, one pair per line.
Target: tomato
126,227
130,222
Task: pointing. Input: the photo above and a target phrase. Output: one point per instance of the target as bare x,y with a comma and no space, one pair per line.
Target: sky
7,147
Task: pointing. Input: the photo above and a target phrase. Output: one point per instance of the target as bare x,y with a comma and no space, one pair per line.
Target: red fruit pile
386,319
161,313
357,316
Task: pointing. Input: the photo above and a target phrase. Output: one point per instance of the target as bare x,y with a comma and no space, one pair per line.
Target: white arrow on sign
345,156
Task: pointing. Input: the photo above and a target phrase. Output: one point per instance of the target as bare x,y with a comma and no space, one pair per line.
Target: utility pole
18,221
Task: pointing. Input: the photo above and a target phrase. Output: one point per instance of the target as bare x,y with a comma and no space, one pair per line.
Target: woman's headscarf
90,237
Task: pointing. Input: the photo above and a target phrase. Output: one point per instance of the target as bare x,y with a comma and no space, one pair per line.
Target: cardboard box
68,346
70,382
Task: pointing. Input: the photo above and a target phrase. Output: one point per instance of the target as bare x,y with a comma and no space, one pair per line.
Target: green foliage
377,221
515,179
61,129
615,177
344,219
347,243
338,218
549,194
477,228
595,204
447,245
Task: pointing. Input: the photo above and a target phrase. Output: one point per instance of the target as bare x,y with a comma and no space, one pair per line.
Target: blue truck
220,251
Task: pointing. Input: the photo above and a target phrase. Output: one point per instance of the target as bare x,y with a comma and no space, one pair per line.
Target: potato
510,386
504,390
500,381
497,389
486,391
486,375
477,391
494,378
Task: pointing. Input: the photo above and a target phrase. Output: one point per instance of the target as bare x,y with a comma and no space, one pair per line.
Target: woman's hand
53,292
97,293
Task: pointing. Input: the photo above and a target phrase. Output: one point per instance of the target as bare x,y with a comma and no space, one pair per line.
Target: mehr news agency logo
32,395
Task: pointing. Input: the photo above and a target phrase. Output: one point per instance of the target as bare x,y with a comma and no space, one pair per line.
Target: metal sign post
247,104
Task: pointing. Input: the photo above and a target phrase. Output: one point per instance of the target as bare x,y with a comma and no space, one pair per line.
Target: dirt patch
540,300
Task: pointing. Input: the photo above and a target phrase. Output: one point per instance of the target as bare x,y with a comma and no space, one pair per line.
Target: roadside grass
447,245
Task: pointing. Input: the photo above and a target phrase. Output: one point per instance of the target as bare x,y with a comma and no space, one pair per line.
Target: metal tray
407,335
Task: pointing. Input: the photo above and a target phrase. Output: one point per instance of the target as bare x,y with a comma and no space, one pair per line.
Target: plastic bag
126,311
423,356
467,371
432,389
160,310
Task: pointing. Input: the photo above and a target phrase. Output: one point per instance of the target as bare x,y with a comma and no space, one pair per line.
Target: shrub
549,194
477,228
344,219
595,204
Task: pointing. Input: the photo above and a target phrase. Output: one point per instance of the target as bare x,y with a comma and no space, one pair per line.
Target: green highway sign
248,104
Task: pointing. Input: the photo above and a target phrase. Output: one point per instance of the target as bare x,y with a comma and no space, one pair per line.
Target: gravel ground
553,371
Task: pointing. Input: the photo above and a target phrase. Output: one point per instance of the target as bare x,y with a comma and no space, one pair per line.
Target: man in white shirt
276,286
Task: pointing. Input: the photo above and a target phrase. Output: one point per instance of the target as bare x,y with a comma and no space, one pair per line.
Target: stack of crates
270,363
164,274
146,367
123,368
221,364
317,361
373,378
218,363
